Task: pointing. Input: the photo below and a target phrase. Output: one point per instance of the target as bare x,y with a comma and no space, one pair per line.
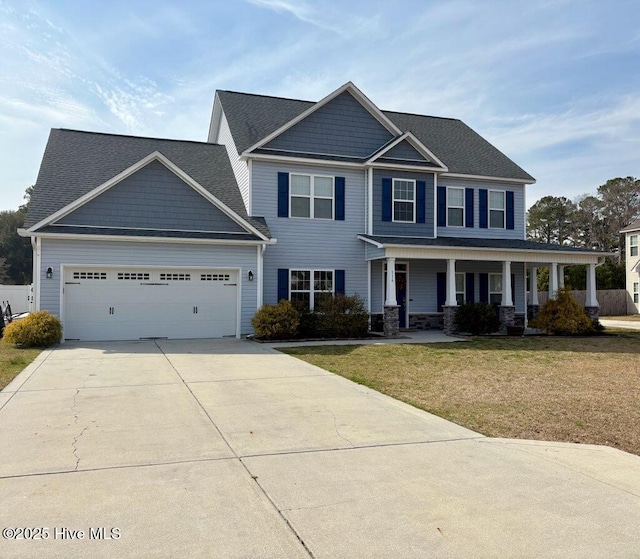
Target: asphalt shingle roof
76,162
635,226
472,242
462,150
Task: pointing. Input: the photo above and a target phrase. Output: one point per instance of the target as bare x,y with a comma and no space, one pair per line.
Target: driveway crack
335,425
76,414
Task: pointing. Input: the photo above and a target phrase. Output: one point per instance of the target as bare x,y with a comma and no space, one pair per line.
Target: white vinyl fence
20,297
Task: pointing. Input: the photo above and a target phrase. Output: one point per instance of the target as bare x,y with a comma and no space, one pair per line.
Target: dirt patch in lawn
583,390
13,360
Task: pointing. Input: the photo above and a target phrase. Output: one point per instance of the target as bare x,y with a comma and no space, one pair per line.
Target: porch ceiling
513,250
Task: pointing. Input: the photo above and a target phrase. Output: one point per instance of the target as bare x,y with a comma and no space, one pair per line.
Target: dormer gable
406,150
344,124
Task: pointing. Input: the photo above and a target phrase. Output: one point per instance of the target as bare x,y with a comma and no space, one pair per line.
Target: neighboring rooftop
77,162
253,117
635,226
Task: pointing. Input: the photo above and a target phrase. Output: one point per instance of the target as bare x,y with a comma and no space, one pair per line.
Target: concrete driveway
226,448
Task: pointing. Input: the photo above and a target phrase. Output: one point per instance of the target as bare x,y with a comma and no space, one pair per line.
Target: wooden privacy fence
613,302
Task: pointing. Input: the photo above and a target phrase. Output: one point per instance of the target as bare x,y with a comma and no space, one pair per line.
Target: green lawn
13,360
584,390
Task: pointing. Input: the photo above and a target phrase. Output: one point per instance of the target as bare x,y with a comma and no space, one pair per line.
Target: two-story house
141,237
632,259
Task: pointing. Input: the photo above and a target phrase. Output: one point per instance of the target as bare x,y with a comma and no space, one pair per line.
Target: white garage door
129,304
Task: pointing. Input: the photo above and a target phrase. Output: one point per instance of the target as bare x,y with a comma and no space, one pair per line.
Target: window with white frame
455,207
636,292
460,291
497,209
312,196
495,289
309,286
633,245
404,200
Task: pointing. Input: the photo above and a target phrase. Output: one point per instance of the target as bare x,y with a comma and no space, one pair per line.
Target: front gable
152,198
404,152
343,127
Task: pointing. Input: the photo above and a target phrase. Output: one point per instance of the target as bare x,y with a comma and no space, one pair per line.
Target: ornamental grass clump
563,316
39,329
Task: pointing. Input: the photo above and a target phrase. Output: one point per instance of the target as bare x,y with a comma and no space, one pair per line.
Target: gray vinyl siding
69,252
312,243
240,168
341,127
404,150
422,288
390,228
152,198
372,252
518,232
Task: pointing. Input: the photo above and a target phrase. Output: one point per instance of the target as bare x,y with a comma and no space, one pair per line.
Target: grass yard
583,390
13,360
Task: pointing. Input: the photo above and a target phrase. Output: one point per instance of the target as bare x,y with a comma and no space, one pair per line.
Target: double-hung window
455,207
460,289
404,200
633,245
312,196
495,289
309,286
636,292
497,209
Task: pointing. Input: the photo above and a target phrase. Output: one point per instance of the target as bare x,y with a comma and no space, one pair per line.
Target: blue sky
554,84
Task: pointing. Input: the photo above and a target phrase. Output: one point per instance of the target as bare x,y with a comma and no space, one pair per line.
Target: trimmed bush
309,321
276,322
562,316
477,319
342,316
39,329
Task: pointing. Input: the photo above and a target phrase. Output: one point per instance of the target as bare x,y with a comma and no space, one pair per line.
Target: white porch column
451,284
592,300
507,296
553,280
391,283
560,276
533,279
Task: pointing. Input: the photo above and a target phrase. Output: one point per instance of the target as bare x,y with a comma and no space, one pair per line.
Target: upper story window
312,196
633,245
455,207
497,208
404,200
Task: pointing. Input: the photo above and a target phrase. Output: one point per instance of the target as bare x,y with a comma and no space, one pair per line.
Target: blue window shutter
283,194
340,198
484,287
510,210
470,287
441,286
421,199
386,200
484,208
442,206
283,283
340,281
468,207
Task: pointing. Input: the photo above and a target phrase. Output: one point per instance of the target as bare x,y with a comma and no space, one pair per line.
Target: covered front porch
434,276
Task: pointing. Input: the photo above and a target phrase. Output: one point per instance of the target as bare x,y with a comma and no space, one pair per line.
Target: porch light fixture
250,275
49,273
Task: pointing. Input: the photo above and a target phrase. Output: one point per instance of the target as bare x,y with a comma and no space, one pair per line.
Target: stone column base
593,313
391,325
507,317
532,312
449,319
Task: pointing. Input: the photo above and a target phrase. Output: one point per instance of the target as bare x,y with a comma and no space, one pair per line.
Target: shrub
477,318
342,316
39,329
562,316
309,321
276,322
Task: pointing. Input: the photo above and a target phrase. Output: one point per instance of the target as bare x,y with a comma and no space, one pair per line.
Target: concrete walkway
227,448
630,324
